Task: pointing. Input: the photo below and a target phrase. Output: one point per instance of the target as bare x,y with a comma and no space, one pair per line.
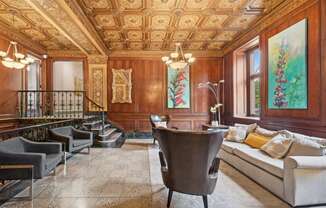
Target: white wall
64,74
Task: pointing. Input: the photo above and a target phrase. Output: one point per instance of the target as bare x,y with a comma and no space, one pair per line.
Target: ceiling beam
41,10
76,13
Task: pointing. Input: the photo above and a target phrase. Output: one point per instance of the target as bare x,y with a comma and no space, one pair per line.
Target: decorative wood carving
98,80
121,86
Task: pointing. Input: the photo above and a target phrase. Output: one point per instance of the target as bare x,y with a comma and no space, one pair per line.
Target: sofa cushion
80,142
256,140
261,160
278,146
230,146
250,128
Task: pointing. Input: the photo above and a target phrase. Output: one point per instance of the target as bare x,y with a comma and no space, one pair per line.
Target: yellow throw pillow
256,141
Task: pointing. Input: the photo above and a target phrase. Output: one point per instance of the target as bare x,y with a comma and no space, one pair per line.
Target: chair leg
205,201
31,186
169,197
154,141
89,150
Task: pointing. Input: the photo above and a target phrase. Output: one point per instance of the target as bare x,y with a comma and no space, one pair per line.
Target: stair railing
93,107
62,104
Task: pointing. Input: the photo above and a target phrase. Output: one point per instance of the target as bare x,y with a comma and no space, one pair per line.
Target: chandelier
177,59
17,60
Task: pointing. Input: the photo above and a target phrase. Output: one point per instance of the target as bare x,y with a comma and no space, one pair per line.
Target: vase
214,123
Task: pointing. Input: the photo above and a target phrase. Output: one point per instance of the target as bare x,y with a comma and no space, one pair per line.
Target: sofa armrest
305,176
42,147
35,159
79,134
64,139
305,162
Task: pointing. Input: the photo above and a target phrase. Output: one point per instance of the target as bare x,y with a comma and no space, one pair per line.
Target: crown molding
65,54
143,53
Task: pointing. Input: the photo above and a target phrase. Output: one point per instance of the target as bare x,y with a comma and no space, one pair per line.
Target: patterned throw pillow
278,146
161,124
236,134
256,140
265,132
250,128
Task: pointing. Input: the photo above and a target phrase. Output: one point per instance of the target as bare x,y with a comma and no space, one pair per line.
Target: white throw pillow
249,128
161,124
265,132
236,134
278,146
306,146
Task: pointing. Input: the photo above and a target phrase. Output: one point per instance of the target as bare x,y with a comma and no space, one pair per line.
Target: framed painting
178,84
287,68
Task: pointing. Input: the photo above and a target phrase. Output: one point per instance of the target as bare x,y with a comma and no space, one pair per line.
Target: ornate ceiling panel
199,24
97,26
20,17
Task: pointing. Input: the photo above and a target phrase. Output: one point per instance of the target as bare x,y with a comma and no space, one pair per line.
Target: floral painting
178,88
287,68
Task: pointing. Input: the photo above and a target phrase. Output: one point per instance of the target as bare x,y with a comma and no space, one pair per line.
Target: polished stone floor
130,178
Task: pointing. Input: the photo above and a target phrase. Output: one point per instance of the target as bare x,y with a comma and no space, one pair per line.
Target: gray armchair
189,162
43,156
73,140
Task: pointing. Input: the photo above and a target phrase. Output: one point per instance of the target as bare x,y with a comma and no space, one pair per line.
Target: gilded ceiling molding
66,53
11,34
149,54
97,67
53,12
78,16
283,9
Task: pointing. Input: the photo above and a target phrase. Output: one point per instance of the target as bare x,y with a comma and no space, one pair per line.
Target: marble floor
130,178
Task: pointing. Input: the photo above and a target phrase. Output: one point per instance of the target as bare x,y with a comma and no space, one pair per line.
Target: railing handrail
94,103
34,126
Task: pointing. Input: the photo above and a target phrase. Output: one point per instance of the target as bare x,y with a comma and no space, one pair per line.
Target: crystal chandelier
17,60
177,59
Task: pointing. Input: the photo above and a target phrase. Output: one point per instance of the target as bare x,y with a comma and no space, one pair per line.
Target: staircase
107,135
60,105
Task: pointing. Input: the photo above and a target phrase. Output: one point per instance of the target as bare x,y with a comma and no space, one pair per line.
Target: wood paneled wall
149,94
313,120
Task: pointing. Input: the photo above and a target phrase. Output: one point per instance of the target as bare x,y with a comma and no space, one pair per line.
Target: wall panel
311,121
149,94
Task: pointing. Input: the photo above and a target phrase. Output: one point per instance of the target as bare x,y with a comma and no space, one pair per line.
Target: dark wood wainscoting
311,121
149,94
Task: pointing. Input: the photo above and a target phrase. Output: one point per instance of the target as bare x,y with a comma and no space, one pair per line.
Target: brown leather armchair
189,162
156,118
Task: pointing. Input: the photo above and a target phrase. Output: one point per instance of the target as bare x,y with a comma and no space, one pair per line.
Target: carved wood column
97,91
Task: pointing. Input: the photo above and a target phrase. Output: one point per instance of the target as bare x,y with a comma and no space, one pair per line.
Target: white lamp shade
168,62
178,65
165,58
30,60
174,55
24,61
19,55
8,64
191,60
18,65
188,55
3,54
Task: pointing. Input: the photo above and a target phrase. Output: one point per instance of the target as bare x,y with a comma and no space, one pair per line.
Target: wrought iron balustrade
58,104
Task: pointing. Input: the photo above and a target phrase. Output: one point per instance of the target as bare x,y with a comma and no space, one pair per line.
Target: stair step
99,128
115,140
107,133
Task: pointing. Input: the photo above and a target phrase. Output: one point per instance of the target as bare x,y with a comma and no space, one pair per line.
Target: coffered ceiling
101,26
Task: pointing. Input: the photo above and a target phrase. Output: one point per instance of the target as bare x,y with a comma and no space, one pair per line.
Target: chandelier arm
8,50
182,55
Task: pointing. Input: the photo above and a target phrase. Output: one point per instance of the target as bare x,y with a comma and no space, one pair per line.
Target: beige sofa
298,180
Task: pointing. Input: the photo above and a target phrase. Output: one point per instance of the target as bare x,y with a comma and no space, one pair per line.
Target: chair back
189,157
65,130
12,145
156,118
